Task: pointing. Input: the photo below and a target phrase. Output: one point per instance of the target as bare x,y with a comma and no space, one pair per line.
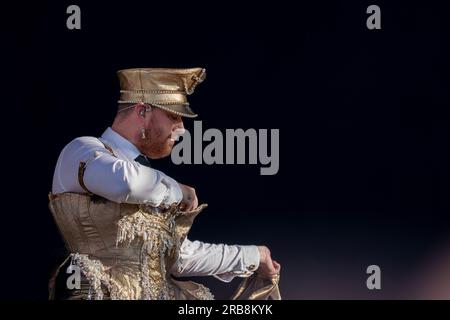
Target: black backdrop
363,118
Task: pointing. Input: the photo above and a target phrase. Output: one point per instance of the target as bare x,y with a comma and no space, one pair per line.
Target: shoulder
83,145
85,142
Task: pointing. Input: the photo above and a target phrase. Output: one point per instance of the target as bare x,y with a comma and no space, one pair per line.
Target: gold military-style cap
164,88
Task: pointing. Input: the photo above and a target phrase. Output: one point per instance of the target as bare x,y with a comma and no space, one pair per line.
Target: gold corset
128,249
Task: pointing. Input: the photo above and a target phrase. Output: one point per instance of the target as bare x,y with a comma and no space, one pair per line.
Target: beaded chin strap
148,107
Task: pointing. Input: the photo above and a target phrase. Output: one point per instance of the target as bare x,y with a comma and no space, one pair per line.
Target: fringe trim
158,237
95,272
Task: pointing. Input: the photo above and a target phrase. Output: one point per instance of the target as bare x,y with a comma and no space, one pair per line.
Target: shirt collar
124,146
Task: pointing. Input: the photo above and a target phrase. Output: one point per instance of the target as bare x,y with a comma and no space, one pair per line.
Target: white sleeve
219,260
112,178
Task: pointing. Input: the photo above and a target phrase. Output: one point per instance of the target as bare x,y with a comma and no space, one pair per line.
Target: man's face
160,124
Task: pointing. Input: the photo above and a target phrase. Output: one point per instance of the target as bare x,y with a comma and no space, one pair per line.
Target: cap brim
179,109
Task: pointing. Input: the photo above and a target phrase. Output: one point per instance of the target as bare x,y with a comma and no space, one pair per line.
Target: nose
178,129
180,124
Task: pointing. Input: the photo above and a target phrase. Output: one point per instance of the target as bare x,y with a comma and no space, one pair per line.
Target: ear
140,110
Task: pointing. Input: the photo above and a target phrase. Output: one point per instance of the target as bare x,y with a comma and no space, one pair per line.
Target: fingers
268,270
268,267
190,200
192,203
195,203
276,266
189,205
186,206
272,270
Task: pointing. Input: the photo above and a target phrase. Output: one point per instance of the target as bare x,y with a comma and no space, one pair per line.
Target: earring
143,133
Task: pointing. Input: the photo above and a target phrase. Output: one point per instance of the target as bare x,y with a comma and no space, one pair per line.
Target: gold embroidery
156,232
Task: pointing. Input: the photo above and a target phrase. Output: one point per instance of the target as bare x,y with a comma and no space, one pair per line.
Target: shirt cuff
249,263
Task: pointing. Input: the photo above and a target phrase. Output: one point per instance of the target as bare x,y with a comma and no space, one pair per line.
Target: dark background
363,118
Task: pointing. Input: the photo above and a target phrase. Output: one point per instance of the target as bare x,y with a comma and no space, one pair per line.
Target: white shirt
123,180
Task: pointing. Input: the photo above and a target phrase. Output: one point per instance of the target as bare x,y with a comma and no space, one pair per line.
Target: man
117,167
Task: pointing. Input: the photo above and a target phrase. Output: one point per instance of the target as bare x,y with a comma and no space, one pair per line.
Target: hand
267,267
189,201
